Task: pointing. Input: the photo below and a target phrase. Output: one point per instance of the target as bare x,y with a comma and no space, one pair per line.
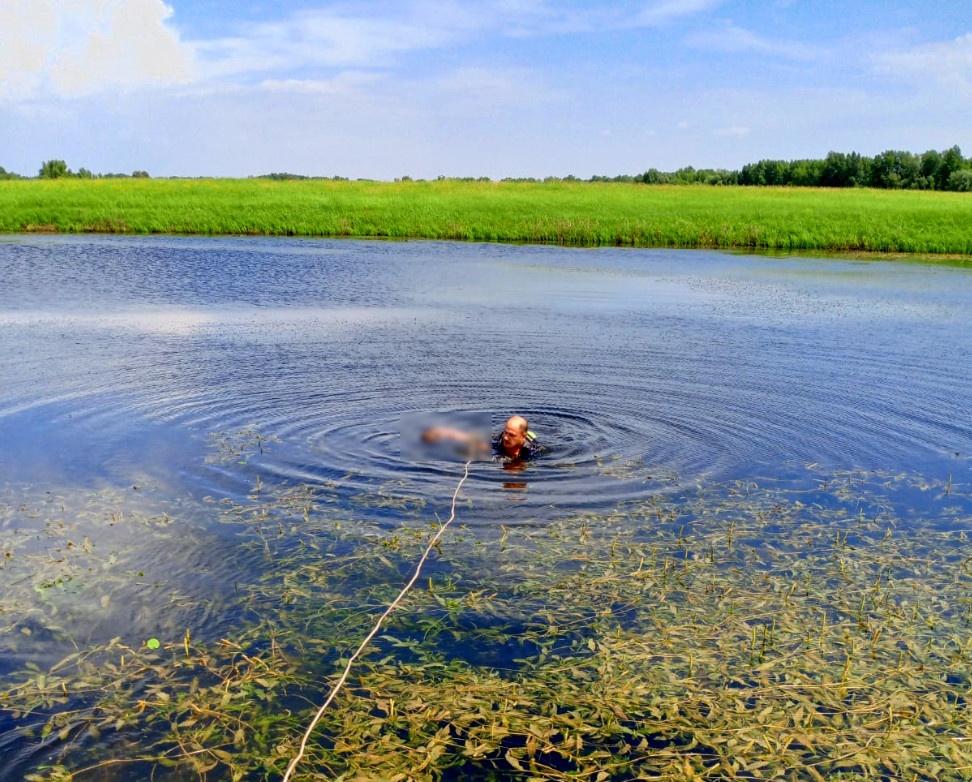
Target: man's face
513,437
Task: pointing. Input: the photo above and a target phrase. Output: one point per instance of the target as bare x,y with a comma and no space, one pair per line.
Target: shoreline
879,223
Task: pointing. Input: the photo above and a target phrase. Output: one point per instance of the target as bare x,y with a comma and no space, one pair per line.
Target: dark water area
162,376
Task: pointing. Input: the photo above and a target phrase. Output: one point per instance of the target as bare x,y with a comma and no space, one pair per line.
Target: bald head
518,423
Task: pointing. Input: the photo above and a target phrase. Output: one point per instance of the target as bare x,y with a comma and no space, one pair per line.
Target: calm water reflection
121,357
145,375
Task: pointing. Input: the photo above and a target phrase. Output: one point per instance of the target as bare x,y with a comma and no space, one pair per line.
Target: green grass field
581,214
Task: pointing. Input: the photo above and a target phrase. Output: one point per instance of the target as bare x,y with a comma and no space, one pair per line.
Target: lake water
163,374
121,357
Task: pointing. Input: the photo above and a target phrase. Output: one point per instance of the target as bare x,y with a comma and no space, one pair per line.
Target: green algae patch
737,631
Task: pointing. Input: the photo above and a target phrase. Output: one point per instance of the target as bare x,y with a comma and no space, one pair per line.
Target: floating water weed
743,632
238,447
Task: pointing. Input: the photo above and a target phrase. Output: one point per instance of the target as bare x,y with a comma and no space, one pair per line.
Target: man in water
516,442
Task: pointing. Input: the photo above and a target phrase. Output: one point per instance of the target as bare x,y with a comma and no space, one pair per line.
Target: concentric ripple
640,371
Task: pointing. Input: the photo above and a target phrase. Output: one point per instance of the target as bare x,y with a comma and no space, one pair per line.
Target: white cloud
343,84
358,37
665,11
735,131
949,63
484,89
526,19
320,39
730,38
69,48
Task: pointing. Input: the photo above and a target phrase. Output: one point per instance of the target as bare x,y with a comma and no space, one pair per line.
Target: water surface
156,377
122,356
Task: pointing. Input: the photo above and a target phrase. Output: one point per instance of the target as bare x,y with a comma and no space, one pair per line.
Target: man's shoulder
532,443
531,448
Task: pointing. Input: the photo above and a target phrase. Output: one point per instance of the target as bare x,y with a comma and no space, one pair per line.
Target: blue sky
379,89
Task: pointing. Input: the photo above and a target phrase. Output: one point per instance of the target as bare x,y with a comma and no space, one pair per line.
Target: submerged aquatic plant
739,631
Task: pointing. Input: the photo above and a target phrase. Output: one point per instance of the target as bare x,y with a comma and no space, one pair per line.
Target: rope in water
374,630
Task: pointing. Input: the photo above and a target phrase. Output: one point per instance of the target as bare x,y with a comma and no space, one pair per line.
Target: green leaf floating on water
153,643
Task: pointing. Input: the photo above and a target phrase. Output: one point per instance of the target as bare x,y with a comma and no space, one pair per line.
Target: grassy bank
579,214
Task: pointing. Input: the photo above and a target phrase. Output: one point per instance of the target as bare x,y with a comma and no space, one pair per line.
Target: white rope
374,630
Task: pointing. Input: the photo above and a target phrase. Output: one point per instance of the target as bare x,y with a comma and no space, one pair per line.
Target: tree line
893,169
58,169
890,170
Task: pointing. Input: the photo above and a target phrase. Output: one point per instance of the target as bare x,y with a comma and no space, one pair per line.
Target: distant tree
686,175
804,173
655,177
891,169
911,170
834,170
777,172
280,177
952,161
845,170
4,174
83,173
771,172
931,161
54,169
140,175
894,169
765,172
715,176
751,174
961,180
730,177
